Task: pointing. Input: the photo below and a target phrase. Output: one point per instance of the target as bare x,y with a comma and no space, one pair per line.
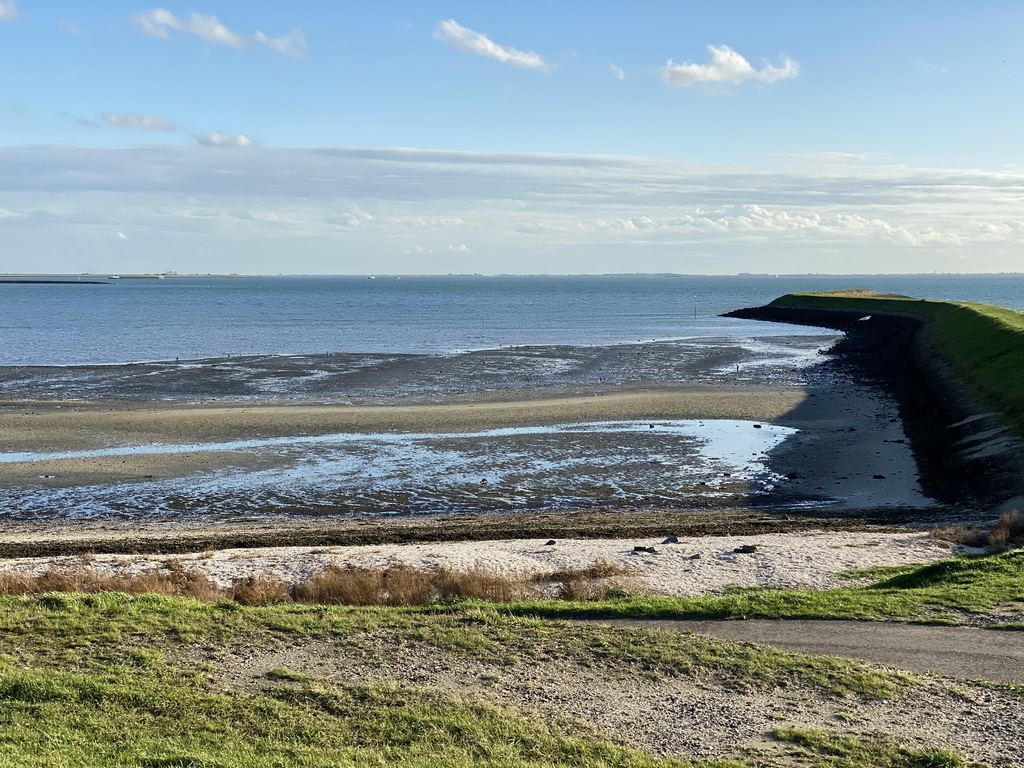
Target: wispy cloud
218,139
618,71
465,39
8,10
158,23
144,122
726,66
926,66
70,27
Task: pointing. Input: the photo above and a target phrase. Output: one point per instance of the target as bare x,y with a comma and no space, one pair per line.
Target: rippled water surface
194,318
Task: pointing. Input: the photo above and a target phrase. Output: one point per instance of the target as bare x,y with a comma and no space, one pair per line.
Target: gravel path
964,652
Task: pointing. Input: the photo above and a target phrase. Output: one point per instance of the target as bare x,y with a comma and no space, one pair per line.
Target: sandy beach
689,567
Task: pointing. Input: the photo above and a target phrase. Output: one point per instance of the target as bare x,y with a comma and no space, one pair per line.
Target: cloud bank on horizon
764,153
333,210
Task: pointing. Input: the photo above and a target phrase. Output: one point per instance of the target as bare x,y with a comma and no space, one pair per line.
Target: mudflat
69,428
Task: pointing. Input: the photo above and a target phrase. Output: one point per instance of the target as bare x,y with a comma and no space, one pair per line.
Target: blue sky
505,137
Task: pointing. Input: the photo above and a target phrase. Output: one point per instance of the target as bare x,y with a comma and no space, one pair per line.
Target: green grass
958,587
110,679
159,716
107,680
831,750
64,632
982,343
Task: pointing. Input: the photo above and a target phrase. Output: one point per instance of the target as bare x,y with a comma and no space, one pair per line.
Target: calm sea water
197,318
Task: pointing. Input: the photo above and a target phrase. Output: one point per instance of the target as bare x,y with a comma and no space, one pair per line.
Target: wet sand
57,428
848,465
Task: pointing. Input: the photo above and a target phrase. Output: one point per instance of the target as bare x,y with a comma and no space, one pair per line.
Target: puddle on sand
590,464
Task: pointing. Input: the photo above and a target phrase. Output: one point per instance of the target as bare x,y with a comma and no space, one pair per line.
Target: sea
135,320
385,340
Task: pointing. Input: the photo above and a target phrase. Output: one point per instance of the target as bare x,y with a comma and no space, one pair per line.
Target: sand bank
40,427
48,428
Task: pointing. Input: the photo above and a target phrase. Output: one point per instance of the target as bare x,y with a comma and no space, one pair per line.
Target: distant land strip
56,282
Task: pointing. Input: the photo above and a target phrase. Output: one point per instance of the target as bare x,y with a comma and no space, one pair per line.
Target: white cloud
145,122
218,139
726,66
120,235
8,10
157,23
460,248
465,39
356,217
618,71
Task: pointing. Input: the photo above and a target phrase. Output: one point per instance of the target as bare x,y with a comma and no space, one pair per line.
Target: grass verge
958,589
955,590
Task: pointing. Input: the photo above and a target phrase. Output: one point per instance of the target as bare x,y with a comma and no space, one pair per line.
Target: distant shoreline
104,277
405,275
54,282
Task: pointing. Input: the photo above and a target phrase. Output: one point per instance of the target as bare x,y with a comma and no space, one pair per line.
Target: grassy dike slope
983,344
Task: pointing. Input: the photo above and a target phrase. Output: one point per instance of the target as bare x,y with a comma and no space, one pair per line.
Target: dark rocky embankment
965,454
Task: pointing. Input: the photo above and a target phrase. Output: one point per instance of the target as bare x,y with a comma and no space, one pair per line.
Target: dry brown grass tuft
396,585
178,582
601,569
259,590
404,585
484,585
595,582
1007,532
339,585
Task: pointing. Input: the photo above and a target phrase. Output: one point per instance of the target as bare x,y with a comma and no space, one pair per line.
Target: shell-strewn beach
686,568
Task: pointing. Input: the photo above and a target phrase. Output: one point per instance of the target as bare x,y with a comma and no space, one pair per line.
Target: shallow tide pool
591,464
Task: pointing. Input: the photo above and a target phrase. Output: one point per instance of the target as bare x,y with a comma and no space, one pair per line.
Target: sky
505,137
